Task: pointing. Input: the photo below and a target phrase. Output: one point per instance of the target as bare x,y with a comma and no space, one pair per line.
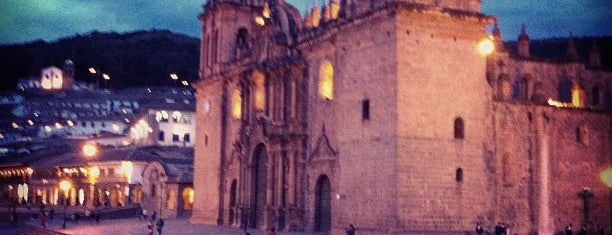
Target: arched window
242,38
459,128
524,89
504,87
260,90
459,175
326,80
236,104
188,198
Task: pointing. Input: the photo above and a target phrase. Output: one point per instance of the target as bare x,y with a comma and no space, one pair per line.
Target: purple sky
28,20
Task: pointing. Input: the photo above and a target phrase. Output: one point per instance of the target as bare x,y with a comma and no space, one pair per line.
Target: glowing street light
486,47
92,71
90,149
173,76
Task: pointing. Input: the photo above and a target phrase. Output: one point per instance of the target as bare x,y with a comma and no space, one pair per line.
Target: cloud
27,20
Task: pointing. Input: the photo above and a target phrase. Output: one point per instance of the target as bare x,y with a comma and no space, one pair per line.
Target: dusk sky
49,20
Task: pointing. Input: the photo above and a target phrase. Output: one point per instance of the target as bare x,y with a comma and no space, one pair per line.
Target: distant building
385,115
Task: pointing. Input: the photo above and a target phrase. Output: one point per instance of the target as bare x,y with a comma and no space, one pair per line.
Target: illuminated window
188,194
459,175
326,80
260,91
365,110
176,116
236,104
161,136
459,128
171,204
161,116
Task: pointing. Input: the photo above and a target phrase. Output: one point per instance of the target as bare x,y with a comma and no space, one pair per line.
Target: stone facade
385,116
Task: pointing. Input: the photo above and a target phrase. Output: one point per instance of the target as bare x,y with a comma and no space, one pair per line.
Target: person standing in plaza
272,231
569,230
350,230
160,225
150,227
479,229
45,220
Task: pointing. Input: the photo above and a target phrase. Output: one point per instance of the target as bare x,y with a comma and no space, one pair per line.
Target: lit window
260,91
161,116
188,198
176,116
326,80
459,129
236,104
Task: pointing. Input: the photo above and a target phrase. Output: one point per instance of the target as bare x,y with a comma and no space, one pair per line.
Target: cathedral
390,116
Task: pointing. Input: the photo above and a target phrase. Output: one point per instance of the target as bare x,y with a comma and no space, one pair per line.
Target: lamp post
606,177
65,186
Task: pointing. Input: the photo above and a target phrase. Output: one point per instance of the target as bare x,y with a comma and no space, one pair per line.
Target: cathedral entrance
323,205
258,187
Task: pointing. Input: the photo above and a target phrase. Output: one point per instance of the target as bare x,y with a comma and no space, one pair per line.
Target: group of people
500,229
151,224
569,230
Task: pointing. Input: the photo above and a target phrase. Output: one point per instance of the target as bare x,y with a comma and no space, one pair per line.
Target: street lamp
65,186
89,149
606,177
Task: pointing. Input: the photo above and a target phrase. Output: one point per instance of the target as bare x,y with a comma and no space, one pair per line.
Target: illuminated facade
155,178
387,116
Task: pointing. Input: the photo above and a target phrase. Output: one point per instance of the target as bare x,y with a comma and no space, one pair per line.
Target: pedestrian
150,227
479,229
144,214
98,217
350,230
600,230
160,225
153,215
582,230
11,217
87,214
569,230
45,220
498,229
272,231
15,216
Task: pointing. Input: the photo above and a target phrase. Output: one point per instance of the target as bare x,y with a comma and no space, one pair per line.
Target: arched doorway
232,202
258,186
323,205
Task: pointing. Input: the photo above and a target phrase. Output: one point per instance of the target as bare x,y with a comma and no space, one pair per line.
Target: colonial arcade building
155,178
385,115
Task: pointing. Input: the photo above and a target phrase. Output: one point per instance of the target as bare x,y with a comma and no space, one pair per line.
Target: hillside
131,59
